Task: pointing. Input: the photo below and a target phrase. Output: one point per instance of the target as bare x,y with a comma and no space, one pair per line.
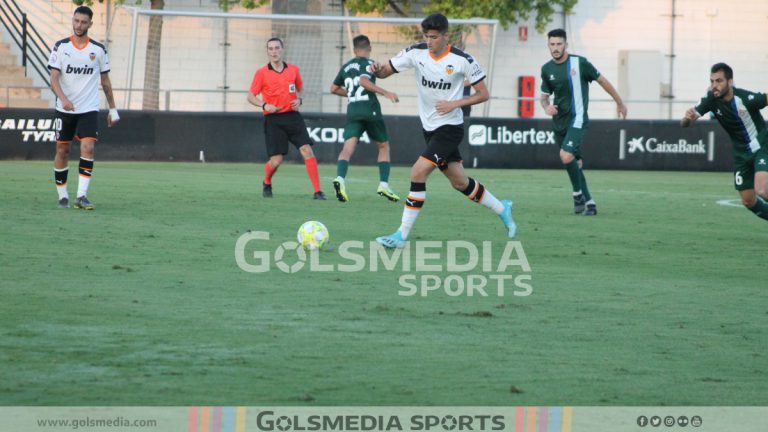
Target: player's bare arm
480,95
621,109
338,91
549,109
56,87
371,87
382,70
691,115
106,85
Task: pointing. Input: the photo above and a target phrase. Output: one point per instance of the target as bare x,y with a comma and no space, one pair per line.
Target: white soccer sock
577,193
82,186
411,211
492,202
384,184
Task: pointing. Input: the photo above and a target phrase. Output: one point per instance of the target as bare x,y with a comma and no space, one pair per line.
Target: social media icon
669,421
696,421
655,421
682,421
642,421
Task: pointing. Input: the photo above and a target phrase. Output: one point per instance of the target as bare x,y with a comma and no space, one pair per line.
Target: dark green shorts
377,130
745,167
570,140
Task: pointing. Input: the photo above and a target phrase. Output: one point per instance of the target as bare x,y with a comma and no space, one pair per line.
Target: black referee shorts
279,129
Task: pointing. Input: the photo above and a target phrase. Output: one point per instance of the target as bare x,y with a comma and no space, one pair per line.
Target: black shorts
80,126
279,129
443,145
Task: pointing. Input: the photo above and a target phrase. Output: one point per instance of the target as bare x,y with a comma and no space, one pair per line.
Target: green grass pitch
659,300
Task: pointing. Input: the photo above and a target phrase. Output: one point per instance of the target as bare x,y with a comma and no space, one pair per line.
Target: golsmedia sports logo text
271,421
454,268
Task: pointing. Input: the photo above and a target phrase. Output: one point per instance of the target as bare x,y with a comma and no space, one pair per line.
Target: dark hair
557,33
435,22
85,10
276,39
717,67
361,42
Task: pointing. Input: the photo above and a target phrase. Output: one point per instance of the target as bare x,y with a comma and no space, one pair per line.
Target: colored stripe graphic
519,419
192,420
567,415
543,418
228,423
531,420
240,419
205,419
555,414
216,427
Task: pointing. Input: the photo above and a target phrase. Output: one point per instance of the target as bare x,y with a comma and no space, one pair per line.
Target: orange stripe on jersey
429,160
447,51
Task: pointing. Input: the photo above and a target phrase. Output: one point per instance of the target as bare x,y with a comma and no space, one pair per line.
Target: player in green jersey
568,77
738,112
355,82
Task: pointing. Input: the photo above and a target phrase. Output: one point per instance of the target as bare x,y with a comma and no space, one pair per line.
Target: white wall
706,31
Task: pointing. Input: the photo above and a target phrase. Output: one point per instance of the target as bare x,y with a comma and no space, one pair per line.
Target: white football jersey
439,79
81,68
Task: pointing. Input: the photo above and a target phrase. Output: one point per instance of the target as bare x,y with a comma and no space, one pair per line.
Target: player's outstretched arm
621,109
691,115
371,87
106,85
381,70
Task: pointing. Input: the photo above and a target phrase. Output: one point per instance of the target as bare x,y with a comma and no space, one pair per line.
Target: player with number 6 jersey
738,112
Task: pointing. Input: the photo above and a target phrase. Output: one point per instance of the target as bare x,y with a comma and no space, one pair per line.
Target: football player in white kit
440,73
78,65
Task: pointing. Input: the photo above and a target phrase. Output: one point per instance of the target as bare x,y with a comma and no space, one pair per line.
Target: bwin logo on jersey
84,70
439,85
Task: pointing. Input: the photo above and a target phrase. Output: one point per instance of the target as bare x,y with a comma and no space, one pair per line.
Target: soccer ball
312,235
